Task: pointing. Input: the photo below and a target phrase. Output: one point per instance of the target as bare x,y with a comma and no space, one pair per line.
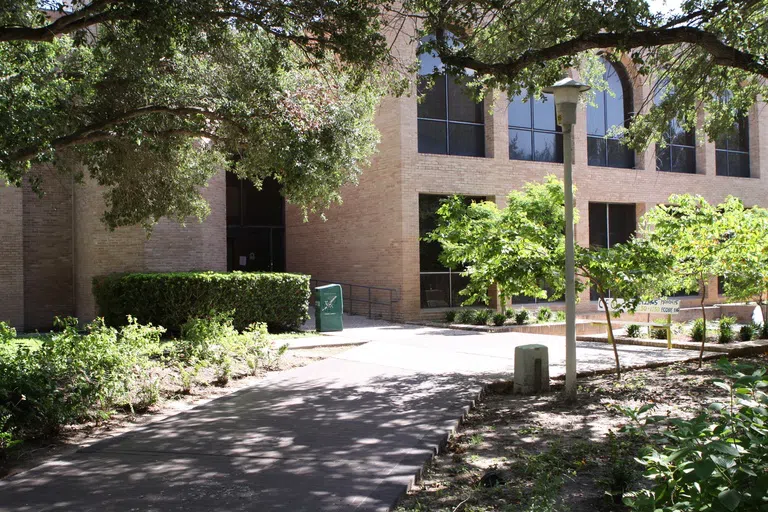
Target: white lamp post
567,92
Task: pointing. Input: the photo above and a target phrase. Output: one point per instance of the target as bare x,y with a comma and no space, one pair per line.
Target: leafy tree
693,234
700,53
630,272
516,248
153,97
746,271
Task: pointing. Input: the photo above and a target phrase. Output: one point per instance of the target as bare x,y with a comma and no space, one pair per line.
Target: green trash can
329,307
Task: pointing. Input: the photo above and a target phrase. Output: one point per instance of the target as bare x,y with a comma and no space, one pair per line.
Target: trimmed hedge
170,299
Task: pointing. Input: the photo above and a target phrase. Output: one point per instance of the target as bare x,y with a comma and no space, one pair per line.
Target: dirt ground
33,453
539,453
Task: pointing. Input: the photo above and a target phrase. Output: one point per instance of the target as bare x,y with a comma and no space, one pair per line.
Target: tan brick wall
48,250
359,244
11,256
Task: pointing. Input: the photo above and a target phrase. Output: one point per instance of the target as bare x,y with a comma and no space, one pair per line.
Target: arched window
449,121
533,130
732,149
614,108
679,153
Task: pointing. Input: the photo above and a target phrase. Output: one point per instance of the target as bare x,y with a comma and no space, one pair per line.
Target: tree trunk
704,318
610,336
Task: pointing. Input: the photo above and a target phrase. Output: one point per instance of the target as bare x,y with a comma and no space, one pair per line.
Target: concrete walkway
347,433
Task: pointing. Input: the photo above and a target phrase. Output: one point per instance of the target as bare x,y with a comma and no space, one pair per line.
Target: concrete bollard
531,369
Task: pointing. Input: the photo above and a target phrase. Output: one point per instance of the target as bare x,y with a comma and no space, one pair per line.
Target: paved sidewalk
347,433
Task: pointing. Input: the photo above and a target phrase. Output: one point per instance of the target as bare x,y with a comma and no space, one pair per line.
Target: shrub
482,317
747,332
697,331
559,316
69,376
716,460
213,341
764,330
726,329
499,319
510,313
544,314
7,333
170,299
521,316
659,333
466,316
450,316
633,331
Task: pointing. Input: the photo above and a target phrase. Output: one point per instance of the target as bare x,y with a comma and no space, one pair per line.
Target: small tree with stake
630,272
695,236
516,248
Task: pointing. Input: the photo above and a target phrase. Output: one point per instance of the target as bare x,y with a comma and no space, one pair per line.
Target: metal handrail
350,299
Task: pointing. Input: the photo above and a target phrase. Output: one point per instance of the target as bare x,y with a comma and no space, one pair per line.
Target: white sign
662,306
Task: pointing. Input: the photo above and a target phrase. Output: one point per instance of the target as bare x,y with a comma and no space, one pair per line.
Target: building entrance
255,226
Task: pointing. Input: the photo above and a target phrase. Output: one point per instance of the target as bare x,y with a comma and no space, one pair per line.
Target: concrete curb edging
735,348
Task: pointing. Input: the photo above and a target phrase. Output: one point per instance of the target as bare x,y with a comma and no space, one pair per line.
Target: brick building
51,248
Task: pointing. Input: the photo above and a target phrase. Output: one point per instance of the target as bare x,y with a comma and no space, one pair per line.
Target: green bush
466,316
69,376
697,331
544,314
521,316
499,319
658,333
170,299
510,313
715,461
7,332
214,341
726,329
450,316
764,330
559,316
483,316
747,332
633,331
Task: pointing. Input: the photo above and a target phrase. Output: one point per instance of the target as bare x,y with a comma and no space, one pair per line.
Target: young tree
746,259
516,248
153,97
702,51
693,234
622,276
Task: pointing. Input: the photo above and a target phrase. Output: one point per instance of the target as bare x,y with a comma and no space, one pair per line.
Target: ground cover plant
541,453
70,377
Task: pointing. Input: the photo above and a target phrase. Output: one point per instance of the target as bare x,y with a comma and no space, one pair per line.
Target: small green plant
764,330
714,461
633,331
544,314
559,316
499,319
510,313
450,316
521,316
7,333
725,334
482,317
466,316
187,376
747,332
659,333
623,470
697,331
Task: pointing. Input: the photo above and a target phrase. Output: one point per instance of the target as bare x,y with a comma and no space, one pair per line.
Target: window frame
628,114
447,121
557,132
728,151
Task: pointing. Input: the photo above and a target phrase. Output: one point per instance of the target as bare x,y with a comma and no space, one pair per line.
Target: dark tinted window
679,151
732,150
449,120
610,224
613,109
533,130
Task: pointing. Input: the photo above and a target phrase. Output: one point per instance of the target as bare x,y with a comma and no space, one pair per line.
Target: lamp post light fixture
567,92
